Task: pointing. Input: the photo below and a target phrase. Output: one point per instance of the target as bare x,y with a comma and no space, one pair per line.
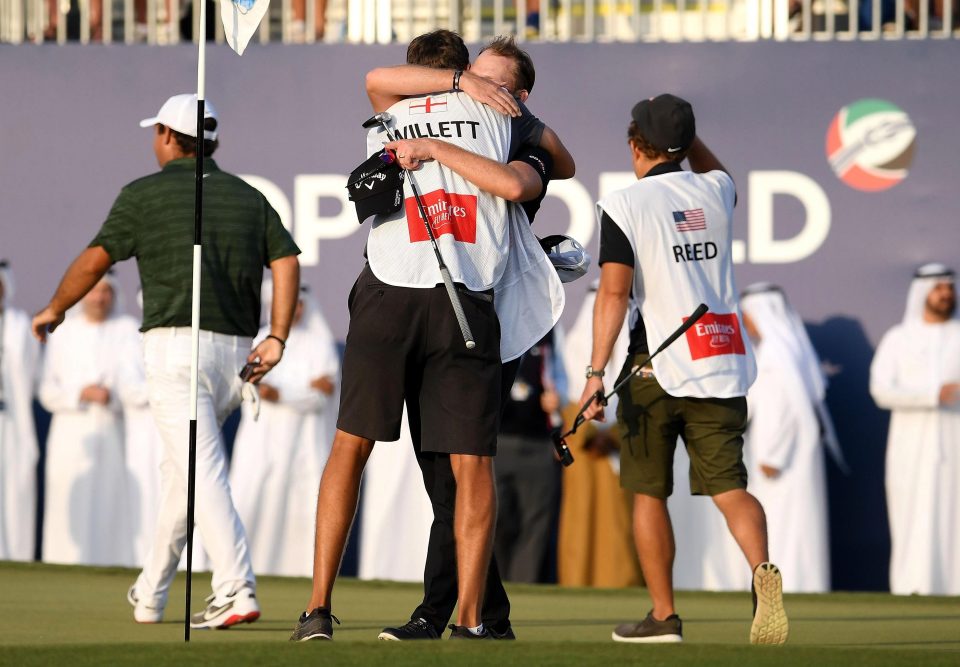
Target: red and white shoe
222,612
142,612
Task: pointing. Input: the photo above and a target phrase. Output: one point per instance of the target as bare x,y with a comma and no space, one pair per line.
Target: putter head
566,458
377,119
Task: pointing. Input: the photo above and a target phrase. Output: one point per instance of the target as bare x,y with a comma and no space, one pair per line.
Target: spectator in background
167,20
85,505
298,27
278,458
95,9
788,423
143,445
528,479
916,374
595,543
19,367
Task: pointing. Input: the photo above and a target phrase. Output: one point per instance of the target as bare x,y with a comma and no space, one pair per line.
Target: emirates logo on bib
447,212
715,334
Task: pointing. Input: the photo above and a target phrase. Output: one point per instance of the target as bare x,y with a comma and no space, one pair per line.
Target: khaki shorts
712,429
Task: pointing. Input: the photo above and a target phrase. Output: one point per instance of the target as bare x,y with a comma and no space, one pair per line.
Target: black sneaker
495,633
651,631
416,628
769,618
462,632
318,624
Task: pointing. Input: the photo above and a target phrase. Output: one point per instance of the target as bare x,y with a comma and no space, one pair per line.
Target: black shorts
404,344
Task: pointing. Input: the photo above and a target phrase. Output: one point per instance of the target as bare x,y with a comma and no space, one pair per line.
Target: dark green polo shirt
152,220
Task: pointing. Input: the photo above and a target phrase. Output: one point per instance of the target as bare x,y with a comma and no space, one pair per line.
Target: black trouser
440,590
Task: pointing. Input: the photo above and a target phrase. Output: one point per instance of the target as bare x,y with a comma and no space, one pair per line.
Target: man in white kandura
788,424
916,374
85,503
19,368
143,446
279,457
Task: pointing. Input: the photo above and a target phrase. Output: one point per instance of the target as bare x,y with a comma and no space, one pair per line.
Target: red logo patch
715,334
448,213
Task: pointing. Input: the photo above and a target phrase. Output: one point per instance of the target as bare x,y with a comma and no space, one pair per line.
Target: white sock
477,630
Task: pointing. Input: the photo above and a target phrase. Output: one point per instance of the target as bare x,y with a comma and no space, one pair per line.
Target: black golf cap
666,123
376,187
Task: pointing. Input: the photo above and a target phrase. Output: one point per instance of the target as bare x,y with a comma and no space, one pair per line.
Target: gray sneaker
769,618
651,631
318,624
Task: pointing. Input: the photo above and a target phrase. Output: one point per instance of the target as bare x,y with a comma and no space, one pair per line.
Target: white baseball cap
180,113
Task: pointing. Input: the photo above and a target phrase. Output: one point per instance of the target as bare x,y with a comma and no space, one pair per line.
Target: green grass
79,616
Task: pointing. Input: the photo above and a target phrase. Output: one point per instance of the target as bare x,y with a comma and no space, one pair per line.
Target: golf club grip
444,272
457,308
690,321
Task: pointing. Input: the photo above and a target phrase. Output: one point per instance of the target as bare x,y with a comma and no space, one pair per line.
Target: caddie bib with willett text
471,226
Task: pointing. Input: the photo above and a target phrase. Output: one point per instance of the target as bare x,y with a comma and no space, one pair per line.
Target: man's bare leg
653,535
336,507
474,519
747,524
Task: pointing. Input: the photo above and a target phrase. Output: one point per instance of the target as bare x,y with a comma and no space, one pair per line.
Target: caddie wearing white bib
666,239
404,344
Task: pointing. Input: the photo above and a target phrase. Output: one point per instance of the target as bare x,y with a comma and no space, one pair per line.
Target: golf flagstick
559,440
195,311
240,20
382,119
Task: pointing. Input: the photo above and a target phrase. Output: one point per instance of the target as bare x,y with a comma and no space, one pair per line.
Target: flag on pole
240,20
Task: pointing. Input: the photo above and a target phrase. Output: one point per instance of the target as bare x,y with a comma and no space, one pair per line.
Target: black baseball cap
666,123
376,187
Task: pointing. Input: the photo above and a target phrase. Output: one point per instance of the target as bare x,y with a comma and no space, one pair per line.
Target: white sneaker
770,625
238,607
141,612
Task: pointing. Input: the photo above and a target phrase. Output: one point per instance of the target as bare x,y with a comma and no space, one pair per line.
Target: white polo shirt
679,225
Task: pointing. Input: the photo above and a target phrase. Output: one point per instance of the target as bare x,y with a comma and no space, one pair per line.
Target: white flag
240,21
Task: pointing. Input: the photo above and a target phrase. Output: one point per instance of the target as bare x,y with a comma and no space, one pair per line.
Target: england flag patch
429,104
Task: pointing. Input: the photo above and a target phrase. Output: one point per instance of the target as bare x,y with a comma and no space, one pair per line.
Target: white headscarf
785,340
925,279
116,310
312,318
6,277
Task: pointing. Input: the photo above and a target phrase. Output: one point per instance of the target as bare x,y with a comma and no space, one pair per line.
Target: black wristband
456,79
283,343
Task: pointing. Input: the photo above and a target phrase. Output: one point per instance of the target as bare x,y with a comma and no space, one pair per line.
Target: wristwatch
594,373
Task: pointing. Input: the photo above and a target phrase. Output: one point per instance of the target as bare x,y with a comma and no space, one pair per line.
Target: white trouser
167,354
